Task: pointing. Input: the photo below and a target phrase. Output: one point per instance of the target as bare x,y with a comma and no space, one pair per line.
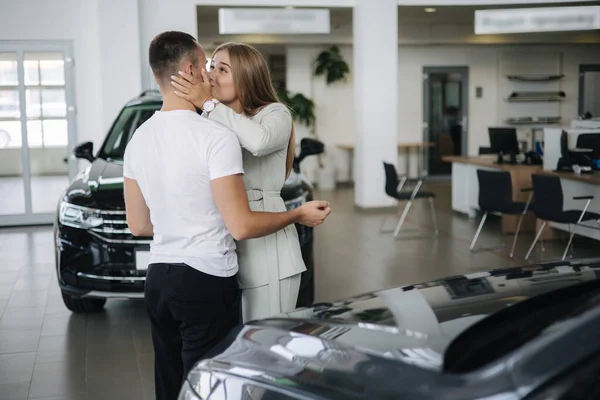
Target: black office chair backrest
589,141
391,179
547,190
495,190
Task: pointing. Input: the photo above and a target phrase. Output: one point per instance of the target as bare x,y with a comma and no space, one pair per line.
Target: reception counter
465,187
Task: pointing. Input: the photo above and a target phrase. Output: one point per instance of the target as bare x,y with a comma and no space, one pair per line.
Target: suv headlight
79,217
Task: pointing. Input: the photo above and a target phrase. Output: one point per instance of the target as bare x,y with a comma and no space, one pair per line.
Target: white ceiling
411,13
413,23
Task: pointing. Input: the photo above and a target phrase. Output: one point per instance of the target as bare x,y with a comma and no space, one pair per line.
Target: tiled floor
47,352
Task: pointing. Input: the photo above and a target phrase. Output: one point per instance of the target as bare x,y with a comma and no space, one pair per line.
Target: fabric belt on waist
259,194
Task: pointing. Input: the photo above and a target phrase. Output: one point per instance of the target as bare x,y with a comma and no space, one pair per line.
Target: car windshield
504,331
122,130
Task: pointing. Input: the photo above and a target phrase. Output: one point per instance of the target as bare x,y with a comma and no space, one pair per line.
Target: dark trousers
190,312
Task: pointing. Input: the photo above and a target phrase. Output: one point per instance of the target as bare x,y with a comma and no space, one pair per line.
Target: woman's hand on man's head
192,89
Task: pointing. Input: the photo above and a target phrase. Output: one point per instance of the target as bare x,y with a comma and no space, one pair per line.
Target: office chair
549,188
394,188
495,196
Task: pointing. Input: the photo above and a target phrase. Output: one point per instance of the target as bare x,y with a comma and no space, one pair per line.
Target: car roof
146,97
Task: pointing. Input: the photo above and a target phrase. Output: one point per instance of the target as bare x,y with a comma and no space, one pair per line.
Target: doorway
445,115
37,129
589,90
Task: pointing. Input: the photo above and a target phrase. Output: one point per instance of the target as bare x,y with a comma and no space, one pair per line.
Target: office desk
579,185
406,147
465,187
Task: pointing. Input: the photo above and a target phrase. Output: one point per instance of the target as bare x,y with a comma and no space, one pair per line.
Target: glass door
445,115
37,130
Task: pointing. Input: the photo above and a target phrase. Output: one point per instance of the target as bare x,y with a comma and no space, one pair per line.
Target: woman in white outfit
237,92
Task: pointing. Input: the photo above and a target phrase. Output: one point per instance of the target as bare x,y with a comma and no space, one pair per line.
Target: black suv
97,257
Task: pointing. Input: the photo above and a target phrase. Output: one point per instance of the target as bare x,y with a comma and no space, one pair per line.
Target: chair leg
478,231
382,228
571,234
434,216
537,236
512,249
402,218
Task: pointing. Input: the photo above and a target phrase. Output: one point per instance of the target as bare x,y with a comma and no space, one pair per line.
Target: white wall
334,104
120,59
105,41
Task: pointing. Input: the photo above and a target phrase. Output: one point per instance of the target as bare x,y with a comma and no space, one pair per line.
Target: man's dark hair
168,49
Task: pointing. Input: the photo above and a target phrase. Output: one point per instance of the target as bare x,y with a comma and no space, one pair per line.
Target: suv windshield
503,332
120,133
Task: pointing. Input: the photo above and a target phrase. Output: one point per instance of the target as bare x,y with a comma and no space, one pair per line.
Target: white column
299,79
375,35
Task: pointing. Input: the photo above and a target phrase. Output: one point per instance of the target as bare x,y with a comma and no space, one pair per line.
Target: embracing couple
199,182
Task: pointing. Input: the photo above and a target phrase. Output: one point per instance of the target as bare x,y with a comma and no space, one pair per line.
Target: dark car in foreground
529,332
96,255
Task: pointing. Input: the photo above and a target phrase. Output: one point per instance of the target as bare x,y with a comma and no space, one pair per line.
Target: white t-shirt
173,156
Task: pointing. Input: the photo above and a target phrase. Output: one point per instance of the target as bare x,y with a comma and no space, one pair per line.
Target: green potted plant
331,64
302,108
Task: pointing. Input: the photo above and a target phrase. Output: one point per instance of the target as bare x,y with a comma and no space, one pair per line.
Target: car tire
83,305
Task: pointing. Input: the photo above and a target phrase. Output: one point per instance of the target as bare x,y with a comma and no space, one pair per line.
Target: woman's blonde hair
253,86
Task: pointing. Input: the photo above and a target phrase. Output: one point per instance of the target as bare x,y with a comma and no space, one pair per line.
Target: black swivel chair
495,196
549,188
394,188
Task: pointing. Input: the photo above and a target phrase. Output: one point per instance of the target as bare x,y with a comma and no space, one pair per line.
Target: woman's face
221,78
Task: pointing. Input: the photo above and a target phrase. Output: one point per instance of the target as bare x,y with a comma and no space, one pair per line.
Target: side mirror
85,151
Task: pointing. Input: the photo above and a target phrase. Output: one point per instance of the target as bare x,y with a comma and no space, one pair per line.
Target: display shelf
533,120
535,77
531,97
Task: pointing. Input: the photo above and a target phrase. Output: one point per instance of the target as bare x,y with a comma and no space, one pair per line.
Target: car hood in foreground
389,342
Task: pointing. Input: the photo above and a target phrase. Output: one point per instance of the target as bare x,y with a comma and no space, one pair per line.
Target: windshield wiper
510,328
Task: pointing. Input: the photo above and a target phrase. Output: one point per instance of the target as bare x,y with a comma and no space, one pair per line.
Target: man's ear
189,68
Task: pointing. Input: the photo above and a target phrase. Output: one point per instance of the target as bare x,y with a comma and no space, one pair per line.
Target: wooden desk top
487,161
401,146
593,179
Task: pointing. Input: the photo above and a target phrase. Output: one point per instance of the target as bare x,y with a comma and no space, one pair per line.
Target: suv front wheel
83,305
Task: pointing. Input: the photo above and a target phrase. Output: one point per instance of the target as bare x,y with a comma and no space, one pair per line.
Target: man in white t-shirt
184,186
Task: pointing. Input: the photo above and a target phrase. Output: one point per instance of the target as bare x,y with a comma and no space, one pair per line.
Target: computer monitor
504,140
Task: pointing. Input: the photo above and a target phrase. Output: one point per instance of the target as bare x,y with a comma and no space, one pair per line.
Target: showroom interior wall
110,46
105,37
421,44
334,104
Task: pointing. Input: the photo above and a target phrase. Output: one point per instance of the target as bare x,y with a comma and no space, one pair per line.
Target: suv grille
114,229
